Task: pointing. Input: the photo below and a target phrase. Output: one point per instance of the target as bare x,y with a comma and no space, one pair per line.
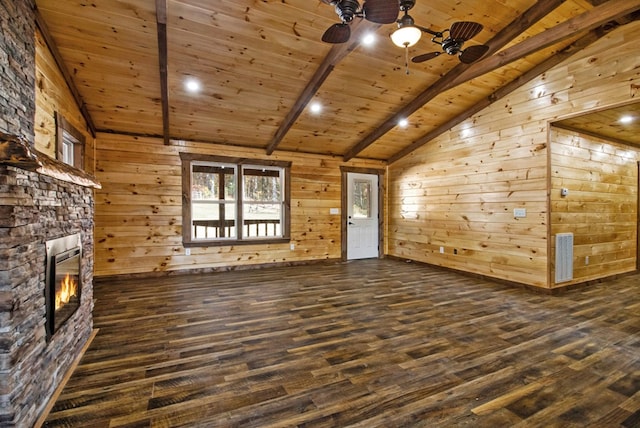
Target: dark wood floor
375,343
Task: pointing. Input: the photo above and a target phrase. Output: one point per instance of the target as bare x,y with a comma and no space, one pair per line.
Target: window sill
231,242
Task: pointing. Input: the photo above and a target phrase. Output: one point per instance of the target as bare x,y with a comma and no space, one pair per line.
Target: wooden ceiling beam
335,55
161,24
531,74
515,28
44,30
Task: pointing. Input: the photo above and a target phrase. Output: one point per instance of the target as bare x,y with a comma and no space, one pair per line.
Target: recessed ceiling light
315,107
403,123
626,119
192,85
369,39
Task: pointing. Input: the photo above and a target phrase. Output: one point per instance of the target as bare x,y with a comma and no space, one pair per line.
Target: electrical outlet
293,246
441,250
187,251
586,260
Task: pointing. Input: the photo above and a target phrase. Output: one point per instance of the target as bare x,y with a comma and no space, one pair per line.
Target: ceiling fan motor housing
405,5
451,46
347,9
406,21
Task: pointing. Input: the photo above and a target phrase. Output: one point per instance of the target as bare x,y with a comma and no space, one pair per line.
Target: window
230,200
361,207
213,200
262,191
70,143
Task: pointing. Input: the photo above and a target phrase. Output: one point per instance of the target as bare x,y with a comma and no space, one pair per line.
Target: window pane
262,202
361,199
213,205
68,148
67,152
262,220
262,185
205,210
205,186
213,220
211,182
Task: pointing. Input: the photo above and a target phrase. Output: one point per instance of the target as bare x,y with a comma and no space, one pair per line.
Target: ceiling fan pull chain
406,59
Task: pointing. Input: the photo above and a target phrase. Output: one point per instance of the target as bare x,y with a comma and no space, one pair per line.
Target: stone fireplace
46,243
41,200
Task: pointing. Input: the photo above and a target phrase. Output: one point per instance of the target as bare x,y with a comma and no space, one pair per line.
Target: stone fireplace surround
40,200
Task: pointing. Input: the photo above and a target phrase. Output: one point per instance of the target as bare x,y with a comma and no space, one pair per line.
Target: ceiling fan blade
337,33
473,53
464,30
425,57
381,11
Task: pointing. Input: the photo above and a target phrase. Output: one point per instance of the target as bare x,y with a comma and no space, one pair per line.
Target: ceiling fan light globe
405,37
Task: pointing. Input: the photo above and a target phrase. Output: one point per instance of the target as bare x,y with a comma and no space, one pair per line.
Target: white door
362,216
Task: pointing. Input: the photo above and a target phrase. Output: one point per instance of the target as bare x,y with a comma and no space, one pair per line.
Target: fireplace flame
68,289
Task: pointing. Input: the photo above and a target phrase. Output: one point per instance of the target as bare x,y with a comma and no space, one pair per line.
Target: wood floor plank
370,343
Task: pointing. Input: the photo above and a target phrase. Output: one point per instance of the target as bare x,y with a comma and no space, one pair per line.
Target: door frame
343,210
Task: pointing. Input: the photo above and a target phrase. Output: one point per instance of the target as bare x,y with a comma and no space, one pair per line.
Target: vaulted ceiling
261,64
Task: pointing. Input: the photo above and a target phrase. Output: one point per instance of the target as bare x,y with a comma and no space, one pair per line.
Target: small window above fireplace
70,143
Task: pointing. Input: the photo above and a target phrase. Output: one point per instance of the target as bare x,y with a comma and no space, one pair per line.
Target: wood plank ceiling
261,63
614,124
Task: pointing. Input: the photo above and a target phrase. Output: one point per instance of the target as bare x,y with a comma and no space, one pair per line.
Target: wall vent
564,257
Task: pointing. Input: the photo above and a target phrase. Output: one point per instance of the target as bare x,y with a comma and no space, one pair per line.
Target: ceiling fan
451,40
459,33
377,11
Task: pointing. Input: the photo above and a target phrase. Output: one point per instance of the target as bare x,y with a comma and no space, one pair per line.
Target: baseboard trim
198,271
540,290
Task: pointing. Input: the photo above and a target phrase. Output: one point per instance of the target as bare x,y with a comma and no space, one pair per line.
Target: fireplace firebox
63,283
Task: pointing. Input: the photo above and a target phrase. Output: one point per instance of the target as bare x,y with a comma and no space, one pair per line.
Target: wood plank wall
54,96
139,211
601,208
458,192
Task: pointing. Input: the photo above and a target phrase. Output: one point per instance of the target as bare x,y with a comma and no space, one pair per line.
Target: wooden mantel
17,152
